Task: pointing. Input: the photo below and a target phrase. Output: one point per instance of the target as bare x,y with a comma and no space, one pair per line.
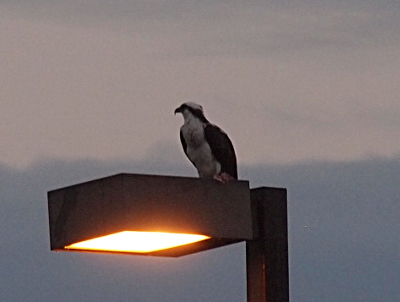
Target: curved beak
178,110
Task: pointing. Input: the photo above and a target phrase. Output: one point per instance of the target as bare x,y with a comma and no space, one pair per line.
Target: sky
308,92
292,82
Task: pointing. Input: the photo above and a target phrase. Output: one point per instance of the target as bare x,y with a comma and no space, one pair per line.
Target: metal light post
85,216
267,254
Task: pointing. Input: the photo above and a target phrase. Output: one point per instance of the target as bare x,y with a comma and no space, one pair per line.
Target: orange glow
136,242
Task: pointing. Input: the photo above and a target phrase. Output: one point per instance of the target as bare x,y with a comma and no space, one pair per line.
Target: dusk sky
308,91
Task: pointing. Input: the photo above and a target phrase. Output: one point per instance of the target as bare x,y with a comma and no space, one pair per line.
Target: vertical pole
267,255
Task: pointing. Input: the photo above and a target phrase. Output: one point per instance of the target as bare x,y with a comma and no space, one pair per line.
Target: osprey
206,145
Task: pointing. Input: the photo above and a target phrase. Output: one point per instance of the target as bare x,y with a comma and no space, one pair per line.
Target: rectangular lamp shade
149,215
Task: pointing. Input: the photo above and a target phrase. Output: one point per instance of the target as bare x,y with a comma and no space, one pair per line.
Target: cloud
221,28
343,231
343,227
100,79
35,273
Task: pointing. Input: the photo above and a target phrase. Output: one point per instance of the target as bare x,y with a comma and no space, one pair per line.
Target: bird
206,145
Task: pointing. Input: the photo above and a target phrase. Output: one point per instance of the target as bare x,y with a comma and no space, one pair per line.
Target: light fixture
146,214
177,207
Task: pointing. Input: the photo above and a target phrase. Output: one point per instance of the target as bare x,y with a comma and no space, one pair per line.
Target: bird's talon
219,178
223,177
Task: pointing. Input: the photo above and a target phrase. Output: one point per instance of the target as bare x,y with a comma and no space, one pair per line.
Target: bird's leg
218,177
223,177
226,177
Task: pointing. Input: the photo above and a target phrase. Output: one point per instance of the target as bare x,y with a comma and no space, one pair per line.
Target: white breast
198,150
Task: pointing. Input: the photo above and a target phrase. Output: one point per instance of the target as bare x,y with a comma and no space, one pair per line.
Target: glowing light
136,242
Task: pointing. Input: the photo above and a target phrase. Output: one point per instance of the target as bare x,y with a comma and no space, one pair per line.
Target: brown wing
222,149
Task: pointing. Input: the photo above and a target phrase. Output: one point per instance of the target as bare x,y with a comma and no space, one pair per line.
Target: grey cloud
343,227
36,274
322,117
231,27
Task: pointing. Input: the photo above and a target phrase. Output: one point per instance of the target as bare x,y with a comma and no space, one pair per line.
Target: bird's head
190,109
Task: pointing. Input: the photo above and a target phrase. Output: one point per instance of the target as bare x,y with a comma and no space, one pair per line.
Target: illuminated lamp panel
136,242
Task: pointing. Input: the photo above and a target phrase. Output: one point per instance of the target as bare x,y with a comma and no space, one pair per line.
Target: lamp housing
151,203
